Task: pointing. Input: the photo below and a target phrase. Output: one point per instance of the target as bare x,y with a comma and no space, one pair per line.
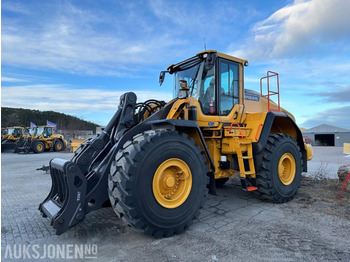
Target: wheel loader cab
234,130
32,131
6,134
215,81
17,132
3,132
47,132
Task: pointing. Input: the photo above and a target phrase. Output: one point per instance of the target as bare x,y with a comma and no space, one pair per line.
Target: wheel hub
286,169
172,183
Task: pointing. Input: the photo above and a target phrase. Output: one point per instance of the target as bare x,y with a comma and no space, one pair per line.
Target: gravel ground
233,226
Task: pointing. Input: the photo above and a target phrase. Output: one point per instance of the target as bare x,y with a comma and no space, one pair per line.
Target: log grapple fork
79,185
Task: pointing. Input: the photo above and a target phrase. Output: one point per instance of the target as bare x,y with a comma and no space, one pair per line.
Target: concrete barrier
346,148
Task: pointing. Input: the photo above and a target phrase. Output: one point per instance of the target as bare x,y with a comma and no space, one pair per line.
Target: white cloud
204,20
338,94
14,7
68,99
81,41
12,79
302,28
338,116
311,74
122,39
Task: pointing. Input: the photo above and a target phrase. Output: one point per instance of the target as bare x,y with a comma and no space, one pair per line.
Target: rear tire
38,147
279,174
158,182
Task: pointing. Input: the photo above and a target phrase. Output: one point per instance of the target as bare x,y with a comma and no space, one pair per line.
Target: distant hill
23,117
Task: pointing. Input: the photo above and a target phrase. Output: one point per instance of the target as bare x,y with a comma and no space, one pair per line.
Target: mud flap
65,204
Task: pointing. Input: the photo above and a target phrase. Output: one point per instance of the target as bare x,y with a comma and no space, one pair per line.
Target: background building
326,135
76,134
99,129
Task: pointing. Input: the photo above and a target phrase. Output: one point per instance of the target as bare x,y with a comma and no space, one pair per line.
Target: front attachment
8,146
65,204
79,186
24,145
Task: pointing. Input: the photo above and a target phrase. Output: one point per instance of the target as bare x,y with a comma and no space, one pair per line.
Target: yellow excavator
156,161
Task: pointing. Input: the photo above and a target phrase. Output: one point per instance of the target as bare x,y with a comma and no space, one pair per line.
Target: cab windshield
40,130
190,75
199,74
32,131
45,131
26,131
17,132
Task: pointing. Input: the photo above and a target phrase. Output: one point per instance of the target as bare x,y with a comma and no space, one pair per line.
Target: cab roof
222,55
201,54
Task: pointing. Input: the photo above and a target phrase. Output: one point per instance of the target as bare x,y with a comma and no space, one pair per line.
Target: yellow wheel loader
156,161
4,132
24,143
9,141
43,138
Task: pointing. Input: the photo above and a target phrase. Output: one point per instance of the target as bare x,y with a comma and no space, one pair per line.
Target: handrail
257,132
240,130
269,92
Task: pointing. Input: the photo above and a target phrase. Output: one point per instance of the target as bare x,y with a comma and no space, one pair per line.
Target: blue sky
78,57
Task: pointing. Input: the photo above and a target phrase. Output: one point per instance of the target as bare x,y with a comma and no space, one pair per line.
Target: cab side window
229,86
208,96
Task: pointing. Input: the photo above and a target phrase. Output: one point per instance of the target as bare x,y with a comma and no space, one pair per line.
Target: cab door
229,85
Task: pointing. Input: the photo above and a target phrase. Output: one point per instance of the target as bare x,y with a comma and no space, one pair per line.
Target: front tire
158,182
38,147
279,173
59,146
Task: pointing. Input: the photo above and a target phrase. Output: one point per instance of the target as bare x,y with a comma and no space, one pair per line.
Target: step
251,188
248,172
245,143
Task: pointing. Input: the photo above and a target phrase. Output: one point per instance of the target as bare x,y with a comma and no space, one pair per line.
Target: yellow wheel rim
39,147
286,169
172,183
59,146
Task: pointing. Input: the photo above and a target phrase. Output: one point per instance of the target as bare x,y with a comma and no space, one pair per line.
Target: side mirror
209,61
162,77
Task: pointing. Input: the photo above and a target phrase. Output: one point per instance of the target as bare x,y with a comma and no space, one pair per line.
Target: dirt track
322,195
